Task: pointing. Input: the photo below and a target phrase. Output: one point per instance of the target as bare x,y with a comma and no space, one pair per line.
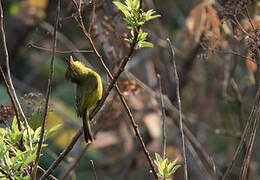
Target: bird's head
75,70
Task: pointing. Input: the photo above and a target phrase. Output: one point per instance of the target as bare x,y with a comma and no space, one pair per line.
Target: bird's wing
83,95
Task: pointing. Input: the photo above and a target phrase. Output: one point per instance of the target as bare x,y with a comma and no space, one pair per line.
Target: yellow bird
89,92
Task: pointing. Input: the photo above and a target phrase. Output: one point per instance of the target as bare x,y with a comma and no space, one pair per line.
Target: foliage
165,169
135,18
16,156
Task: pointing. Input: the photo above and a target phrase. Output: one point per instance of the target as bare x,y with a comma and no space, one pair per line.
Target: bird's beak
70,62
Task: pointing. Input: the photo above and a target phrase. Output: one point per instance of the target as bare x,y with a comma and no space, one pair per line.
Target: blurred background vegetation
218,81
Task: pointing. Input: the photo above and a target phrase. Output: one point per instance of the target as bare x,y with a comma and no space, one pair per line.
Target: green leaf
170,166
2,132
123,8
158,158
136,4
159,175
174,169
37,133
14,123
129,4
142,36
29,159
147,44
152,17
51,131
144,44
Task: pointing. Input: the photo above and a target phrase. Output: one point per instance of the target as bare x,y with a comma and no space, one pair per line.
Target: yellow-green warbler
89,92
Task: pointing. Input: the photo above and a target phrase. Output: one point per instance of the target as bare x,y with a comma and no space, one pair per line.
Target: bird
89,92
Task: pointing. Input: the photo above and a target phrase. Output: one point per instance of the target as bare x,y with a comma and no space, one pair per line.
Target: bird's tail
86,128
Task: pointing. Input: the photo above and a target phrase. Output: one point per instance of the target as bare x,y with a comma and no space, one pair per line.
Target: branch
254,115
73,166
51,74
51,176
91,24
57,51
11,97
180,111
94,170
163,117
62,155
255,119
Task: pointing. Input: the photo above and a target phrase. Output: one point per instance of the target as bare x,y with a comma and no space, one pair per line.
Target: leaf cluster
135,17
165,169
16,156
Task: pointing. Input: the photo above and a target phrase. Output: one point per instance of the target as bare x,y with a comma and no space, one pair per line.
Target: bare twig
163,117
93,16
239,102
51,176
62,155
179,107
254,115
57,51
94,170
255,119
11,97
51,74
75,163
234,53
249,18
241,27
17,103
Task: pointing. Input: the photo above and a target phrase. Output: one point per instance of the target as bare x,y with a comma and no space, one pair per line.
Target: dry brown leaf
202,19
130,86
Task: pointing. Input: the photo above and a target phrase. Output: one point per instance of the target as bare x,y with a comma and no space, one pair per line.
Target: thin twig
241,27
17,103
234,53
62,155
179,107
253,113
93,16
255,118
239,102
11,97
57,51
51,176
94,170
75,163
249,18
51,74
163,117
